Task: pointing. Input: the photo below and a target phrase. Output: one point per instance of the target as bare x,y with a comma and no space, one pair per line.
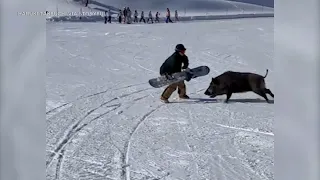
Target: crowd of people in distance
125,16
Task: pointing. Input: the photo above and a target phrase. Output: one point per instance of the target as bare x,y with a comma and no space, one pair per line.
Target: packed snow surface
104,121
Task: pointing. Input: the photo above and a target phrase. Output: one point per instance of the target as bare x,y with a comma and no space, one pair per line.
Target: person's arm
185,62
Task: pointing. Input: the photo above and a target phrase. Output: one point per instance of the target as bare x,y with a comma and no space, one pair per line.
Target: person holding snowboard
175,63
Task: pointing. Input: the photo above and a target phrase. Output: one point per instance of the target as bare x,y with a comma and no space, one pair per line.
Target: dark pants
150,19
168,20
142,18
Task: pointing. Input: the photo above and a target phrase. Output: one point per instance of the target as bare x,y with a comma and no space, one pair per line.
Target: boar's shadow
237,100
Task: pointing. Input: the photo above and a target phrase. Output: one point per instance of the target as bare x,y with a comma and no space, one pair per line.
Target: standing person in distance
157,17
142,17
150,17
109,16
129,20
120,16
124,14
168,16
135,16
105,17
175,63
176,16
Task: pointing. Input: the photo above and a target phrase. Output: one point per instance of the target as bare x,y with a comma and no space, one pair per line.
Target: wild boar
238,82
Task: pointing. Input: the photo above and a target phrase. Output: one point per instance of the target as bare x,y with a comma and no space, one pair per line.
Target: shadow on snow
211,100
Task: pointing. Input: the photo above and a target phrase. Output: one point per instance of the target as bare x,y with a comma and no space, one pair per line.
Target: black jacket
174,63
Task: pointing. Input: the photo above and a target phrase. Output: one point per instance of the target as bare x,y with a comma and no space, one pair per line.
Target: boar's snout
209,92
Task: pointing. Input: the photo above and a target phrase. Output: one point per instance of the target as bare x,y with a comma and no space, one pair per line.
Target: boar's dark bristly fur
238,82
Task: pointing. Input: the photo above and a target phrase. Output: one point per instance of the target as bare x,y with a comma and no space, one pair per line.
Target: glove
168,76
189,77
186,70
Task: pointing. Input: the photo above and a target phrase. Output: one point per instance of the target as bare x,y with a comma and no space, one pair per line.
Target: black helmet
180,47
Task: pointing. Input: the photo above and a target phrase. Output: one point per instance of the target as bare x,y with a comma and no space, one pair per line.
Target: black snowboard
180,76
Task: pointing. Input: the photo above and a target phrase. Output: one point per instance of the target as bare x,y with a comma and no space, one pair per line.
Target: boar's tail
266,74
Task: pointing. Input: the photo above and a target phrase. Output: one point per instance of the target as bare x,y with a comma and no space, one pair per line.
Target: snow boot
164,100
184,97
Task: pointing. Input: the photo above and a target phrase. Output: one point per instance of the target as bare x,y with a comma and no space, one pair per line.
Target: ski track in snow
76,127
248,130
113,126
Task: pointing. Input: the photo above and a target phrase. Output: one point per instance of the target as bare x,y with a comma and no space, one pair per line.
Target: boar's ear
215,81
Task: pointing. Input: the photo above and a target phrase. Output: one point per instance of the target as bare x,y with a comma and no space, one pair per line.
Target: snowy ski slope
66,6
189,7
105,122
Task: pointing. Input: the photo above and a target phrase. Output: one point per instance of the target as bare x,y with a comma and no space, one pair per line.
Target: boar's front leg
229,93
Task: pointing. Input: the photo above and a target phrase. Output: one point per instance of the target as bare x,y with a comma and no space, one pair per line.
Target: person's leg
168,92
182,90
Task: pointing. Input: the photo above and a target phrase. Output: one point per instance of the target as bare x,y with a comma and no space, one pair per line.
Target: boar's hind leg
269,92
229,93
262,93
